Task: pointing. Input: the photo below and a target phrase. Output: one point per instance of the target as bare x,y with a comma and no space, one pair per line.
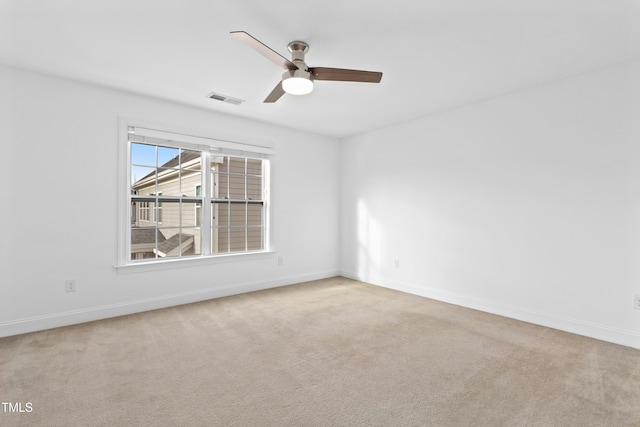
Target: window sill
169,264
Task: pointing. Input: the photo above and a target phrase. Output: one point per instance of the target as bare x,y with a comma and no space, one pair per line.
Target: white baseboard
56,320
591,330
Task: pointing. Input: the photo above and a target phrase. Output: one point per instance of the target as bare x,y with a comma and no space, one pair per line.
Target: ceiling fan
298,78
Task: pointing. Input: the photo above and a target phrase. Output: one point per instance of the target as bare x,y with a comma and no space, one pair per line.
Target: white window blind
152,136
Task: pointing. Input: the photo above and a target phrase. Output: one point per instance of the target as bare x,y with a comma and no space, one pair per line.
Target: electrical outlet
396,263
69,285
280,260
636,301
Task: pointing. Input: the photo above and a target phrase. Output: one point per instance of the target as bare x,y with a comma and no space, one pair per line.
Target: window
237,204
189,199
143,211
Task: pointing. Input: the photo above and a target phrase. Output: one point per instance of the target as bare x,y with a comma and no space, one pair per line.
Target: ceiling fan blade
344,75
275,94
263,49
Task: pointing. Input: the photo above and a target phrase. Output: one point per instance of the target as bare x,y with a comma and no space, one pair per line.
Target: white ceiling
435,54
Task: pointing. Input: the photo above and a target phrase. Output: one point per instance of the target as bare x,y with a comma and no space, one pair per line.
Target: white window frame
158,211
189,140
198,207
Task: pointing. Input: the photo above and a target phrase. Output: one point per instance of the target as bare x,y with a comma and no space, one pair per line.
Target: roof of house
173,242
142,235
187,155
184,157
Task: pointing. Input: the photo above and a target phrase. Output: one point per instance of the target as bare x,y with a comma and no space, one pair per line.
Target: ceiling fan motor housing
297,82
299,73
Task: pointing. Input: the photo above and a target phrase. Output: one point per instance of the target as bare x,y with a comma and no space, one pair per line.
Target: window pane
216,162
190,183
238,214
141,215
185,215
176,243
143,242
254,167
168,156
254,238
143,180
195,248
191,164
143,154
190,159
254,214
223,164
237,165
171,214
254,188
236,186
221,186
220,239
237,238
222,211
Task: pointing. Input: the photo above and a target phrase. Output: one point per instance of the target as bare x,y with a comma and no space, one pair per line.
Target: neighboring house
167,214
167,228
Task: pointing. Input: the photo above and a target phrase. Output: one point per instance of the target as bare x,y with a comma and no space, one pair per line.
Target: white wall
59,205
525,205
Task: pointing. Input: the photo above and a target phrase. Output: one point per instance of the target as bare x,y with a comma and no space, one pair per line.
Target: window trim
157,218
188,139
197,211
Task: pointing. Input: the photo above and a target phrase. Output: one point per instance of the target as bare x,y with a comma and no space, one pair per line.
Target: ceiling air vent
225,98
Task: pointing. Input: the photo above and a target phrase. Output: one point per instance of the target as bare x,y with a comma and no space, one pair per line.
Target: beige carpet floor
328,353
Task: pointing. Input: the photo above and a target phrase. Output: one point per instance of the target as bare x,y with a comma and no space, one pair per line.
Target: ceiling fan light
297,85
